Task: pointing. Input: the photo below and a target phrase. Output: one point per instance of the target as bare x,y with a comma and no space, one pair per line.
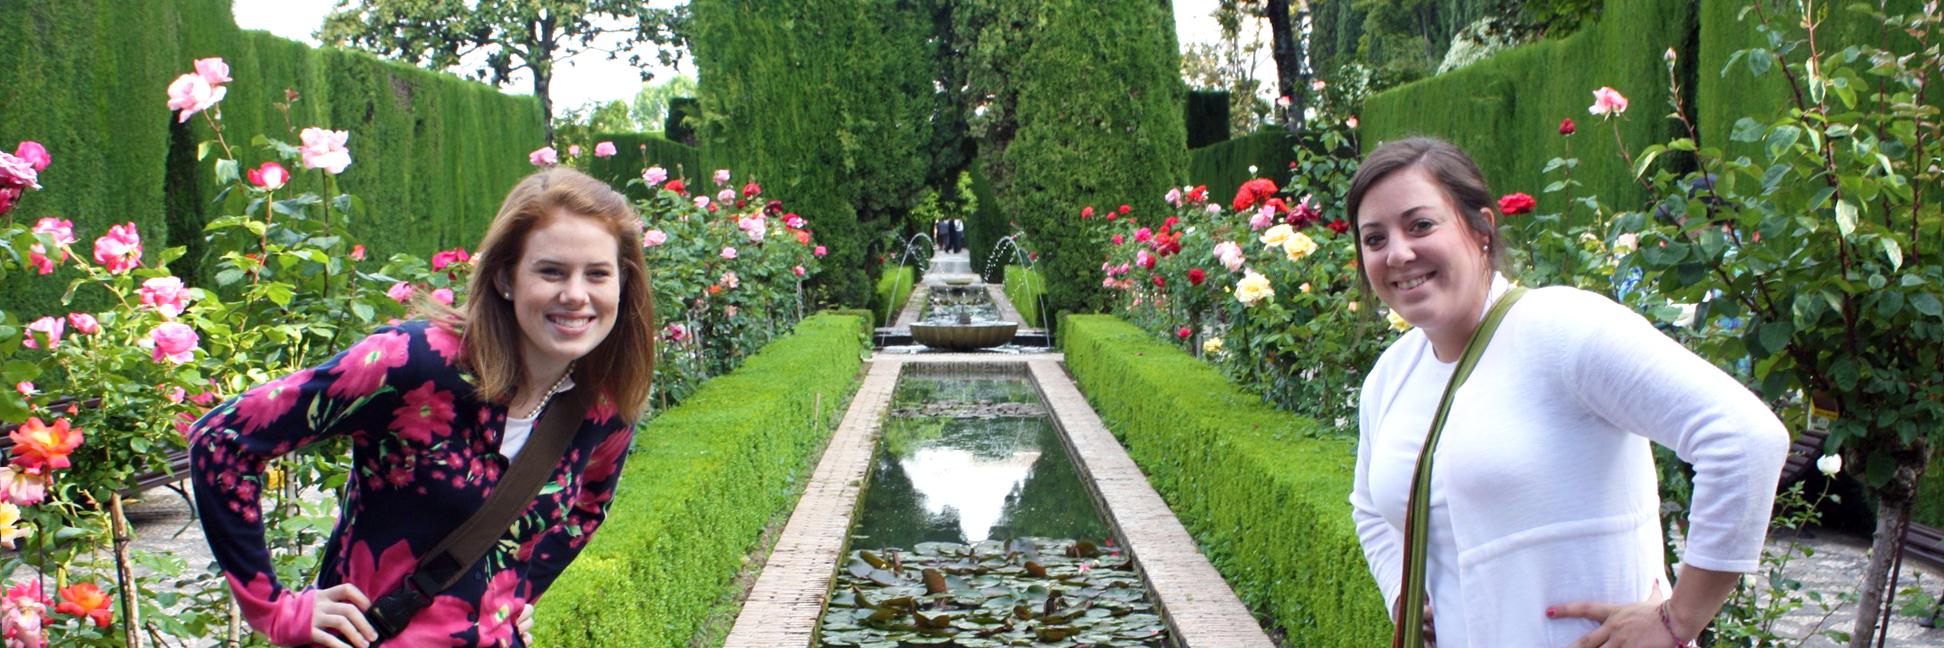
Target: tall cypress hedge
433,154
635,152
827,103
1084,107
1506,110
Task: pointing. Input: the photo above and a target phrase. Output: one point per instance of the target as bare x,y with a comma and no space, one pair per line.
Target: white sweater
1543,486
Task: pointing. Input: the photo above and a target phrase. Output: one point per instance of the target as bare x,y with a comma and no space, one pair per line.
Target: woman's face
1420,256
565,289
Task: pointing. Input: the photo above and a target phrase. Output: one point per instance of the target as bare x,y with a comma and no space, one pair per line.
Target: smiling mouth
1407,285
571,322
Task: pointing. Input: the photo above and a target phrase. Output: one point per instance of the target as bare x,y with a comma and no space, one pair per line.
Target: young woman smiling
1543,524
437,411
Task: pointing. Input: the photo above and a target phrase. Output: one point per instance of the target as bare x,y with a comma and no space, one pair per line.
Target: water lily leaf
883,577
1051,634
883,614
873,559
1035,569
934,582
1084,550
859,568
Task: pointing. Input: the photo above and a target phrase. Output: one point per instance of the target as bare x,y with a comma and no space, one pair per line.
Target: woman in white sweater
1544,509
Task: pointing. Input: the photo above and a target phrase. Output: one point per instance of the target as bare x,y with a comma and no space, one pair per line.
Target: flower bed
704,480
1266,498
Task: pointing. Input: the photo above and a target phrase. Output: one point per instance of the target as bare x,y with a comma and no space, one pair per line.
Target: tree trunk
541,62
1282,47
1893,512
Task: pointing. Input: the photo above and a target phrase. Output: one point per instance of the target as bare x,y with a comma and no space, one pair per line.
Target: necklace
551,391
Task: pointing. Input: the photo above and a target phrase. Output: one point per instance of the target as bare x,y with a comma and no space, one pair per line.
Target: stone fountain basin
964,336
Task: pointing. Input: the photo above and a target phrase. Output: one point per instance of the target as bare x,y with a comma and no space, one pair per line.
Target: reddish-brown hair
621,366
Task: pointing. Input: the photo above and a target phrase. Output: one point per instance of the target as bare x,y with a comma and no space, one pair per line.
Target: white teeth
1413,283
578,321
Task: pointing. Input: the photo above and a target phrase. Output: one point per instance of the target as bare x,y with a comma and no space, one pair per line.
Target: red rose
1086,213
1253,192
1196,276
1198,194
1159,282
1171,222
1338,226
1566,126
1124,209
1516,204
1185,333
675,186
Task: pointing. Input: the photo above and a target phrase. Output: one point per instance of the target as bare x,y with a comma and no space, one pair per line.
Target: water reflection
970,459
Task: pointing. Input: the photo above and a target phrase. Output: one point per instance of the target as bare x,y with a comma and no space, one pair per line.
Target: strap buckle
389,614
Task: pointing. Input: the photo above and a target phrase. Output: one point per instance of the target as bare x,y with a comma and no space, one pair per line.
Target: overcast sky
591,77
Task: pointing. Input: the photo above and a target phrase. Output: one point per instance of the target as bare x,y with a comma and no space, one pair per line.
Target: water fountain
1010,246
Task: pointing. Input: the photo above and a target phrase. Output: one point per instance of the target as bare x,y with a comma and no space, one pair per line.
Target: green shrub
1225,166
1025,288
1267,500
703,481
635,152
894,286
1206,117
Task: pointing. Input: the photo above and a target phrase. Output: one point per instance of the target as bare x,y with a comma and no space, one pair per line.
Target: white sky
593,78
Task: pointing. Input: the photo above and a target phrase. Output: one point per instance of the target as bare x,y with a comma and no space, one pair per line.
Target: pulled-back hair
1455,173
622,365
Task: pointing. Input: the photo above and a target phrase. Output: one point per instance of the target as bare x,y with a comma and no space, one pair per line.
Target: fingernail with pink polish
1549,612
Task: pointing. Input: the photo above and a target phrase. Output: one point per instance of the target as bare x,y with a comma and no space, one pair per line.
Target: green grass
1265,497
703,481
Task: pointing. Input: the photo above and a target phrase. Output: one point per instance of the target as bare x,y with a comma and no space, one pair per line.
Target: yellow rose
1352,307
1253,288
1397,322
1274,236
1212,346
9,516
1305,287
1298,245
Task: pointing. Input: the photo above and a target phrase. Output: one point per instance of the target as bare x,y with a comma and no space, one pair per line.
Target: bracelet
1668,622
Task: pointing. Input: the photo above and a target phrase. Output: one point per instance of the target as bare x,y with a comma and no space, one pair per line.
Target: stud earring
508,296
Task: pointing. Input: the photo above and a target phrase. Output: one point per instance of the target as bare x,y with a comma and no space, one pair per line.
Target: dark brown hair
623,365
1457,176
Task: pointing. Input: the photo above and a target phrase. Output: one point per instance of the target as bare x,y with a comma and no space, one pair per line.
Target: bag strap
1410,620
465,546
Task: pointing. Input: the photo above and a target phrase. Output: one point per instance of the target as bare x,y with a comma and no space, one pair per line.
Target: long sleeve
558,546
1624,370
229,448
1383,546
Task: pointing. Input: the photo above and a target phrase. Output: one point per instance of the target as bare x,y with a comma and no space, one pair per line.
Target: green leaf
1775,335
1747,131
1759,61
1894,251
1845,217
1781,139
1928,304
229,277
226,171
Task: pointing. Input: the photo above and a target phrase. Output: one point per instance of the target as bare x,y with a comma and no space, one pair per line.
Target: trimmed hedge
1206,117
635,152
703,481
434,155
1225,166
1266,499
828,103
894,286
1025,288
1505,110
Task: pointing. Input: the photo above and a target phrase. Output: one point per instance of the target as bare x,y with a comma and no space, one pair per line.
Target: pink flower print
272,400
120,250
601,465
427,412
444,342
362,368
284,617
500,608
382,574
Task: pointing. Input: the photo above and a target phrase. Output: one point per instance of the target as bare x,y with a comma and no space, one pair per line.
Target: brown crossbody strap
460,550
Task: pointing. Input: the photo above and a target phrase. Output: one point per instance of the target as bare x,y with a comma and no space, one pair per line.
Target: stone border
788,599
1198,604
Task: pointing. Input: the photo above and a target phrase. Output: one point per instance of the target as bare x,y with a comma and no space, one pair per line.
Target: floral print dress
425,455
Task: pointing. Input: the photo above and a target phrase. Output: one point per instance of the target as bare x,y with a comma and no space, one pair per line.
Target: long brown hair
1453,170
622,366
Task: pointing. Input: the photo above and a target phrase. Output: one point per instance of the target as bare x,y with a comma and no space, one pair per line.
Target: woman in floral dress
436,409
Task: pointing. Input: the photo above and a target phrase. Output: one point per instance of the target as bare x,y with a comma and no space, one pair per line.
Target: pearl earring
508,296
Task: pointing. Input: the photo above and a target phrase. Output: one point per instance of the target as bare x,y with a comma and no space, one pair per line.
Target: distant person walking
958,235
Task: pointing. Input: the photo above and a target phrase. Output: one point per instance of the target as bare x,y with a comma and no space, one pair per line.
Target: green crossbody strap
1410,619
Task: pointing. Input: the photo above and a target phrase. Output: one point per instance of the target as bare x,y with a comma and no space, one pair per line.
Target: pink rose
701,202
798,270
722,176
17,173
1118,240
1142,235
325,149
174,341
795,221
84,323
1262,218
213,70
166,295
729,280
120,250
751,190
654,237
34,154
654,176
191,94
1173,197
1351,122
573,150
62,231
819,252
728,253
604,149
271,176
726,195
443,296
21,487
51,327
544,157
1607,102
8,198
357,253
25,388
401,291
443,259
729,311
